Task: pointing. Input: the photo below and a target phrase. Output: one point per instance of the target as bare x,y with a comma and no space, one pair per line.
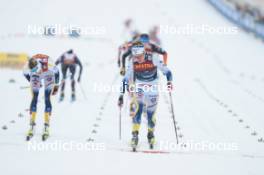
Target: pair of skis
134,141
134,146
31,133
73,98
44,137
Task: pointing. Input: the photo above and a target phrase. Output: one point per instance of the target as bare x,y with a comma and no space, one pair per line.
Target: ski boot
45,134
62,96
73,97
134,140
151,139
32,124
31,131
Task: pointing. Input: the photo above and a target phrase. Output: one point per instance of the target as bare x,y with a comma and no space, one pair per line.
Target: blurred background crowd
253,8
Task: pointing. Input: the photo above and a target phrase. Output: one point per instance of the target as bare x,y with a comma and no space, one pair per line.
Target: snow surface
218,97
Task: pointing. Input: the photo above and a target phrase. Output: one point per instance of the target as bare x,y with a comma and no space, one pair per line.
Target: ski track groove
229,110
99,118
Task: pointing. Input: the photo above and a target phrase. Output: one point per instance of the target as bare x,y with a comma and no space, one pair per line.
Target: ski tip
155,152
149,151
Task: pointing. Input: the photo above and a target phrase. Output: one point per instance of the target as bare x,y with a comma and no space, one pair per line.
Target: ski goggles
137,50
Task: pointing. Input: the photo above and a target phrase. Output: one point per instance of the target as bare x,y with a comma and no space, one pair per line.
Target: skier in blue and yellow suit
142,72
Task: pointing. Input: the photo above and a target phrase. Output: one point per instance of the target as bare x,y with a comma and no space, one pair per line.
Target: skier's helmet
144,38
70,51
137,48
32,63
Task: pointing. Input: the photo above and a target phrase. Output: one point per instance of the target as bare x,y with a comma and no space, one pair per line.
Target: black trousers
64,70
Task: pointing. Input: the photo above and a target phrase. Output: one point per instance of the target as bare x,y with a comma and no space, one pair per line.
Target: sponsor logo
144,66
13,60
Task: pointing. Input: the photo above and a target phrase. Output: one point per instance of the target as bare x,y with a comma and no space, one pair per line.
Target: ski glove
55,90
169,86
120,101
122,71
79,79
118,63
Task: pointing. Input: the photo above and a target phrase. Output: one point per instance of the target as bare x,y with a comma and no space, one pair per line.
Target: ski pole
24,87
83,92
173,117
120,117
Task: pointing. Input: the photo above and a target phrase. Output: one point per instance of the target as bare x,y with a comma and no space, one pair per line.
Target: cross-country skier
150,48
125,47
129,30
142,72
153,35
69,60
40,71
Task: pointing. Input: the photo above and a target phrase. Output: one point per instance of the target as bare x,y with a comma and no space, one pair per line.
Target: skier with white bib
142,73
40,71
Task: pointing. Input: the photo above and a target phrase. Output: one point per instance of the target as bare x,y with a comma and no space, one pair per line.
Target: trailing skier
69,61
